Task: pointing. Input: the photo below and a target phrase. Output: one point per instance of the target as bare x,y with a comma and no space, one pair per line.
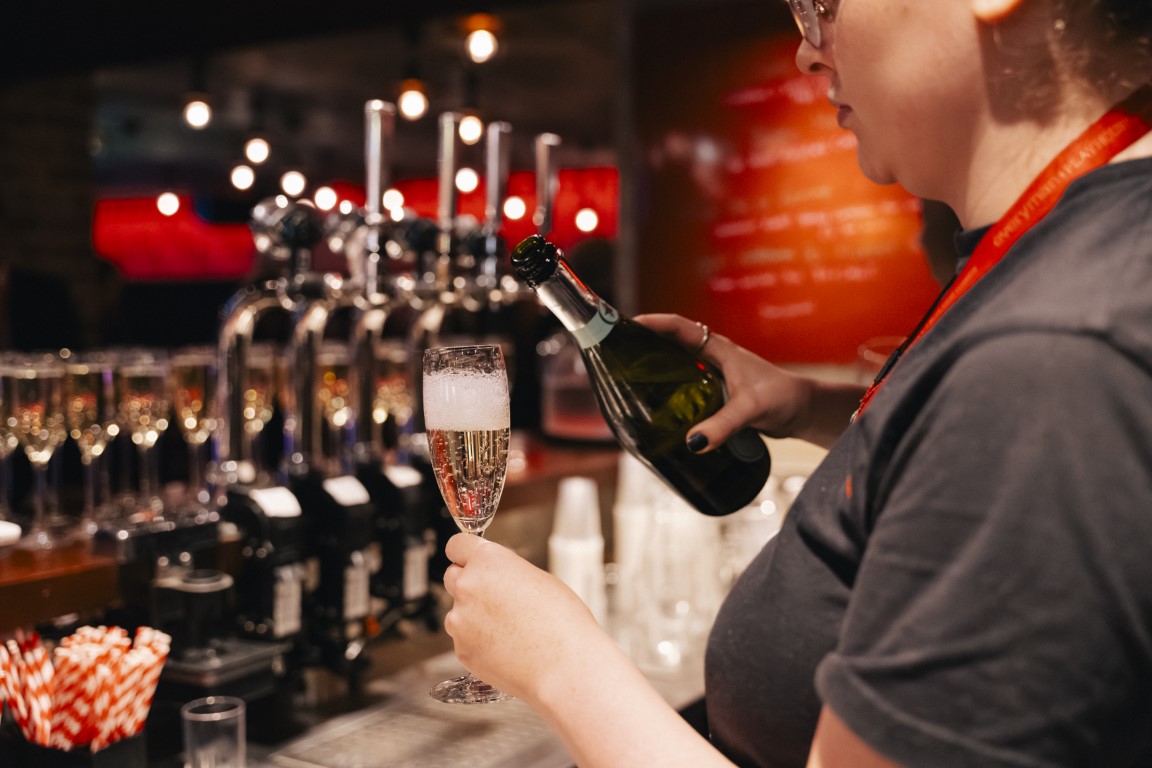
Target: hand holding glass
466,413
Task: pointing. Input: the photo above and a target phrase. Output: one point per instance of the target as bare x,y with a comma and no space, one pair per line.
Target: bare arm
761,395
522,630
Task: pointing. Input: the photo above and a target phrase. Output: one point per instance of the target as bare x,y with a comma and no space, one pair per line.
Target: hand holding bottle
761,395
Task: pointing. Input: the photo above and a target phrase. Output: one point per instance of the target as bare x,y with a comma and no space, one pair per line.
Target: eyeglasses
808,14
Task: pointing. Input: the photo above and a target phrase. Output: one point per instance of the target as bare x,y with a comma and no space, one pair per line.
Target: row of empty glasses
95,397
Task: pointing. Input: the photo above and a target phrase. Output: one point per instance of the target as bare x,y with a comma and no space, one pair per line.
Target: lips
842,110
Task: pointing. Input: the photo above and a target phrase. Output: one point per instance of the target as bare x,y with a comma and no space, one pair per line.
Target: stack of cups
576,546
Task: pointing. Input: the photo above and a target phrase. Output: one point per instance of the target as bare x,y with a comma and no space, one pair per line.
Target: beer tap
547,182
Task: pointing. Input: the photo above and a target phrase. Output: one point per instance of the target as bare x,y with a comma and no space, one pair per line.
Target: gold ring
704,340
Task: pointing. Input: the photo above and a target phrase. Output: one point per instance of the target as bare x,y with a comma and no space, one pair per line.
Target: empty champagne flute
90,408
467,416
8,445
263,377
193,373
392,394
36,416
334,396
141,384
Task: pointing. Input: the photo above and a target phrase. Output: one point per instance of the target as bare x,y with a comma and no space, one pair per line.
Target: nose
812,60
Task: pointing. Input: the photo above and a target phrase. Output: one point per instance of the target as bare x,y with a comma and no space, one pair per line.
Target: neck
993,185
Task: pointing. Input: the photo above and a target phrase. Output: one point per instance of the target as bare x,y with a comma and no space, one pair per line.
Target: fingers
686,331
460,547
717,428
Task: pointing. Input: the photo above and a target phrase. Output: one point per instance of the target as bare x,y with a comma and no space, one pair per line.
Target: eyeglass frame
807,15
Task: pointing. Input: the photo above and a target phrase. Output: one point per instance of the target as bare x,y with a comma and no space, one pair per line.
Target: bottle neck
584,314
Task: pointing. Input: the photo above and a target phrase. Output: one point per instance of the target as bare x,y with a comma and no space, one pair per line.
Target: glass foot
467,690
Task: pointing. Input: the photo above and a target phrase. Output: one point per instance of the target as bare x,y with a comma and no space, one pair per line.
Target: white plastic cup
576,546
214,732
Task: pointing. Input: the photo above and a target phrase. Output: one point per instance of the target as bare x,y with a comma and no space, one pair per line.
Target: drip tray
411,730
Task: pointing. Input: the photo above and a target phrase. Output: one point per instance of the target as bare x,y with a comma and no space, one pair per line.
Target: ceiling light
325,198
197,111
471,129
392,199
515,208
467,180
293,183
587,220
413,103
243,177
168,203
481,42
257,150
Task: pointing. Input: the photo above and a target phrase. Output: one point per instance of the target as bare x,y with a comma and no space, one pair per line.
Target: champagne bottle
651,389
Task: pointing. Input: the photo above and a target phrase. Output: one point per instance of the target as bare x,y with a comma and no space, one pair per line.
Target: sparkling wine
651,389
470,466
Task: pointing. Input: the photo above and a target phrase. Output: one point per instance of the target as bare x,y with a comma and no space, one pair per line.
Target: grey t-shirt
967,578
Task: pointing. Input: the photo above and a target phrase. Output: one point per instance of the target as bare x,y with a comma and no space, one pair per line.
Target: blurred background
712,169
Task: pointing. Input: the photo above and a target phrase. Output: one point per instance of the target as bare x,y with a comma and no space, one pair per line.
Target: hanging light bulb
325,198
587,220
257,150
168,203
467,180
293,183
197,107
243,177
515,208
413,102
197,111
471,129
481,42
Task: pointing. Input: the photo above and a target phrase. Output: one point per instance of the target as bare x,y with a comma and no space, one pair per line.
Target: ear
993,11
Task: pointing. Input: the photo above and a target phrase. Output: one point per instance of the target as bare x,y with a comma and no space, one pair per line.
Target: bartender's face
904,77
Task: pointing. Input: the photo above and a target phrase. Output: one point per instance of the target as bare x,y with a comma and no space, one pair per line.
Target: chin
876,172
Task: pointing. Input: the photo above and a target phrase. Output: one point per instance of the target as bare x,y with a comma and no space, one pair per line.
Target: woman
966,580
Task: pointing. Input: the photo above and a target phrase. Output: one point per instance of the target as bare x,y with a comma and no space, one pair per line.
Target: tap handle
547,182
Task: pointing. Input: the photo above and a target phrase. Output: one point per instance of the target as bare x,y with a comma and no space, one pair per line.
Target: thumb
461,547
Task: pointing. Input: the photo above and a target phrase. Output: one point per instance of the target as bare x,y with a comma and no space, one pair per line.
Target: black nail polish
697,442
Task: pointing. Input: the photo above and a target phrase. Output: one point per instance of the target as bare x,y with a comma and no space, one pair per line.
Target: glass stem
196,473
40,496
5,486
89,515
150,482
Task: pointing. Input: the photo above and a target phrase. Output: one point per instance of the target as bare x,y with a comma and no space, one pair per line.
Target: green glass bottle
651,389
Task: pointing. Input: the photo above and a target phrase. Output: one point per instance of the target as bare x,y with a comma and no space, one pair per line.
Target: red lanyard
1103,140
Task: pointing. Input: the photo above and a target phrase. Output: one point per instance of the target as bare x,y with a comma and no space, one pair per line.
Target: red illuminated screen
760,222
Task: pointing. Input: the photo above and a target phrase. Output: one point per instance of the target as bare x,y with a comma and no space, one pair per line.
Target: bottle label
597,328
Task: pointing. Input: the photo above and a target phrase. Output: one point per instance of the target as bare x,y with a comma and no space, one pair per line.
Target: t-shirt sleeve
1001,613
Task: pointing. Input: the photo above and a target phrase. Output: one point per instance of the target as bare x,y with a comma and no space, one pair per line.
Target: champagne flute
36,415
334,396
8,443
263,375
466,413
193,373
391,394
89,404
141,384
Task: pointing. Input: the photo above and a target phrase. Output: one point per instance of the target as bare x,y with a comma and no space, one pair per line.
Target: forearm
828,411
609,716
